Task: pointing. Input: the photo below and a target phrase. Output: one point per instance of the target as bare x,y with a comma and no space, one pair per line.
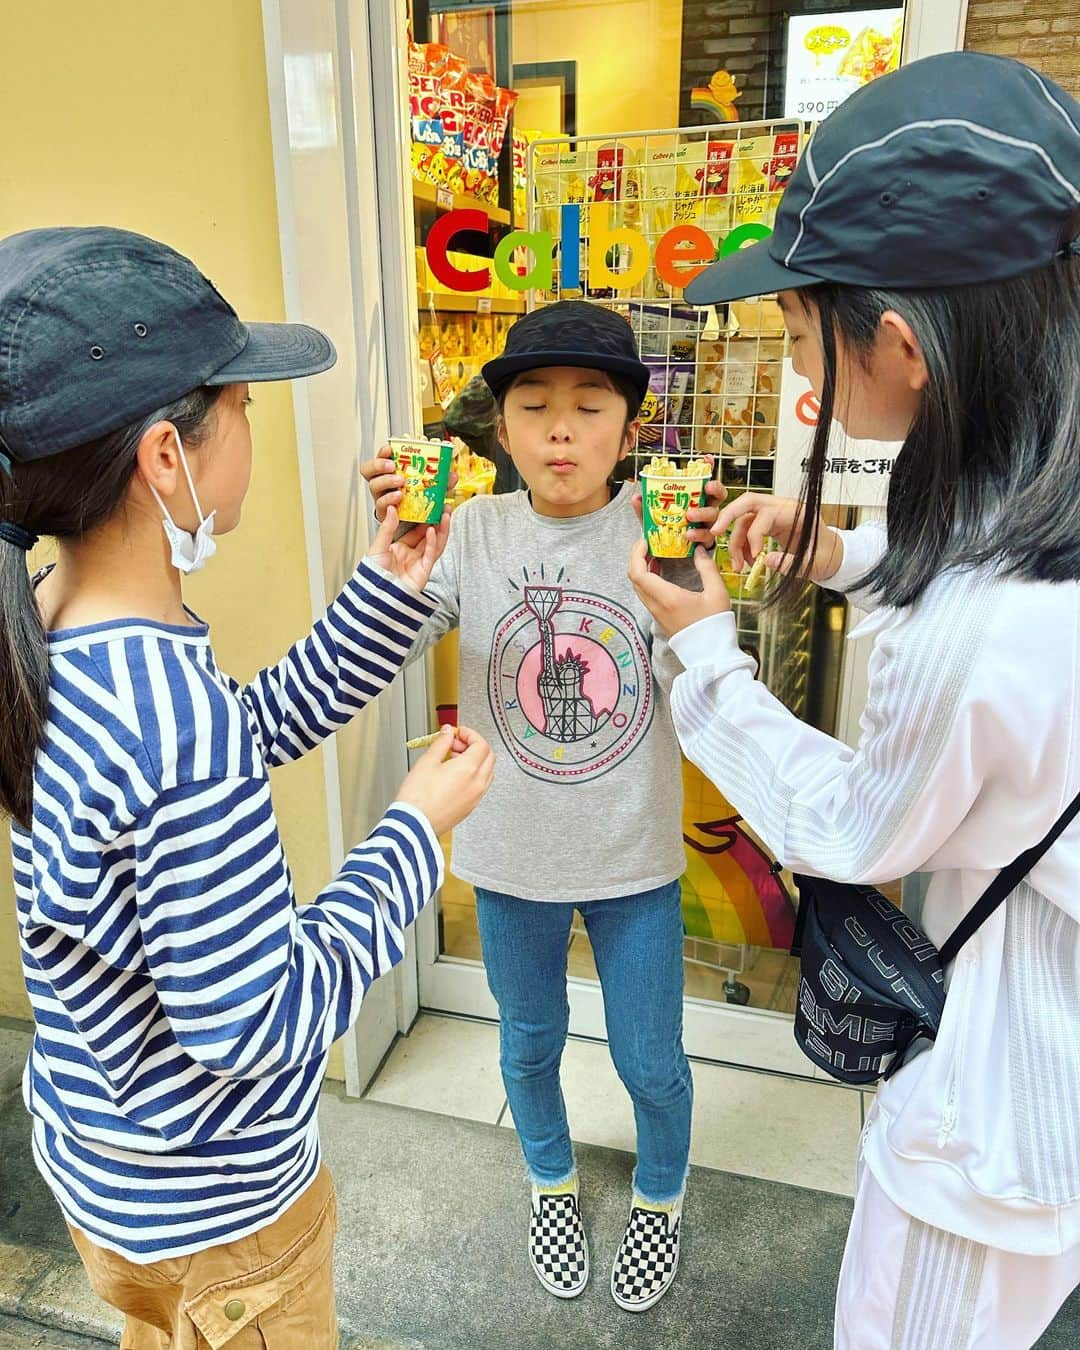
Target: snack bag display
427,63
659,184
715,178
665,410
429,334
781,166
761,168
614,180
444,390
750,186
425,466
739,396
522,139
457,120
673,181
481,337
453,335
666,330
668,491
687,195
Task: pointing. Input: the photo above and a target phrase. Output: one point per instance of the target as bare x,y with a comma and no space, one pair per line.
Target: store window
670,127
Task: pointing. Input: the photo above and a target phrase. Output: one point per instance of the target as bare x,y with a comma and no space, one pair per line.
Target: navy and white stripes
184,1004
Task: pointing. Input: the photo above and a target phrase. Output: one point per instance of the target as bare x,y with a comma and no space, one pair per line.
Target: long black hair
65,496
990,470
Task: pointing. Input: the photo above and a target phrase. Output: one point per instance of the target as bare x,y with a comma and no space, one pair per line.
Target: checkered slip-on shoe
558,1249
645,1266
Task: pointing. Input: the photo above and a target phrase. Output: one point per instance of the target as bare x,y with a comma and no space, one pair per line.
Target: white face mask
190,552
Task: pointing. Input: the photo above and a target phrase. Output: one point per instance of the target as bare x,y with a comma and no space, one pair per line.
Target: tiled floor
756,1124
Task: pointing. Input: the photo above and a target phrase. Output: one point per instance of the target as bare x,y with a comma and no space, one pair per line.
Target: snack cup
665,500
425,466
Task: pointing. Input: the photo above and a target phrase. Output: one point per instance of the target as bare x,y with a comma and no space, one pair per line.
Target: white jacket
970,749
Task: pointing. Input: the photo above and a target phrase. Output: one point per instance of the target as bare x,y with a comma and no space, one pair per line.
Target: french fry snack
422,742
757,579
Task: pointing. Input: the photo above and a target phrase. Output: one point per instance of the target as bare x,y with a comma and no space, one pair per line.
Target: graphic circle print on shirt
569,683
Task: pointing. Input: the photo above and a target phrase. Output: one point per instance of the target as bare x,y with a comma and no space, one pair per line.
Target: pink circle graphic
599,679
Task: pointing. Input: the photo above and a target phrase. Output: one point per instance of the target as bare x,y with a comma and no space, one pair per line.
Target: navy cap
569,333
100,327
956,169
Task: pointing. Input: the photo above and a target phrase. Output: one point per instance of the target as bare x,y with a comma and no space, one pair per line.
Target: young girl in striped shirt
184,1004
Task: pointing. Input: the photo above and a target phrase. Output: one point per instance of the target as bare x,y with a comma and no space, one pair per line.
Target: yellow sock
563,1188
653,1205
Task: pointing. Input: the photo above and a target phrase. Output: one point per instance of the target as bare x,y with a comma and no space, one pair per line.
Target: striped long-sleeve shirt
184,1004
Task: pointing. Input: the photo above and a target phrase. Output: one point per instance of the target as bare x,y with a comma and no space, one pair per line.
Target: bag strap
1004,884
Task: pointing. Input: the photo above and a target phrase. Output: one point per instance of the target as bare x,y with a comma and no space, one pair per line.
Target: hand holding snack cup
673,607
411,556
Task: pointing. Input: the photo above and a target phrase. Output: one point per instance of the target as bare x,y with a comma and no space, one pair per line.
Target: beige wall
1044,33
627,54
155,118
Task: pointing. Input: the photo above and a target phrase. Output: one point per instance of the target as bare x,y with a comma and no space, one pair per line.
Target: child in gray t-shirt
561,669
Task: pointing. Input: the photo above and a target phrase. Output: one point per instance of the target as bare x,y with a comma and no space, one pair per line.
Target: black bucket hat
956,169
569,333
100,327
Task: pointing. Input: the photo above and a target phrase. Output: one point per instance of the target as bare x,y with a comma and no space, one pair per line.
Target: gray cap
100,327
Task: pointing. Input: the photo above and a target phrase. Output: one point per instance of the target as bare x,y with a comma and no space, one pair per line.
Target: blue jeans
637,941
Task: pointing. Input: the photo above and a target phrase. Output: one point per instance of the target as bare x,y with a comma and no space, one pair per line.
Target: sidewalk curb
54,1292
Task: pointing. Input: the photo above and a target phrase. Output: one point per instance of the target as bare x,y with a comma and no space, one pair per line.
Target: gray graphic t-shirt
561,671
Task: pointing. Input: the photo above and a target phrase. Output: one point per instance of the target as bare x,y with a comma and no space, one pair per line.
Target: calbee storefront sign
679,255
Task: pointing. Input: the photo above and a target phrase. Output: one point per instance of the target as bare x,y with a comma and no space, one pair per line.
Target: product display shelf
460,303
443,199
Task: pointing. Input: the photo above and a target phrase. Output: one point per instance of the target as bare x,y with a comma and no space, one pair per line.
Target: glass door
666,114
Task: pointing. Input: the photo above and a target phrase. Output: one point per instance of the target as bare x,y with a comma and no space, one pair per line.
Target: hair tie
1072,248
15,534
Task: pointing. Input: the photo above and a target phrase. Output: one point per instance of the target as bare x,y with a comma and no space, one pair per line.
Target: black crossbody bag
871,981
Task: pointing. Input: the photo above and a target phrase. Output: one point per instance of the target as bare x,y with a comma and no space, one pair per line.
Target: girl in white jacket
926,261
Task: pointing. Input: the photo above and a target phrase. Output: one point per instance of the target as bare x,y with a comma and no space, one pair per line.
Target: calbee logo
682,253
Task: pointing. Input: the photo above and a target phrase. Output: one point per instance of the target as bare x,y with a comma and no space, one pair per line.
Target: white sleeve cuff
863,548
713,642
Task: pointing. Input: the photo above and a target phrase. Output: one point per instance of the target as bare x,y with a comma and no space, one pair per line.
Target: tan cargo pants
273,1290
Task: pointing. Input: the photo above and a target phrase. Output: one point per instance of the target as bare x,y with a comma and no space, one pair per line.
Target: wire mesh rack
714,374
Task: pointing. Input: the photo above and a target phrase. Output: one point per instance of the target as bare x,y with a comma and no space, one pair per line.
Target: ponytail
24,680
65,496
